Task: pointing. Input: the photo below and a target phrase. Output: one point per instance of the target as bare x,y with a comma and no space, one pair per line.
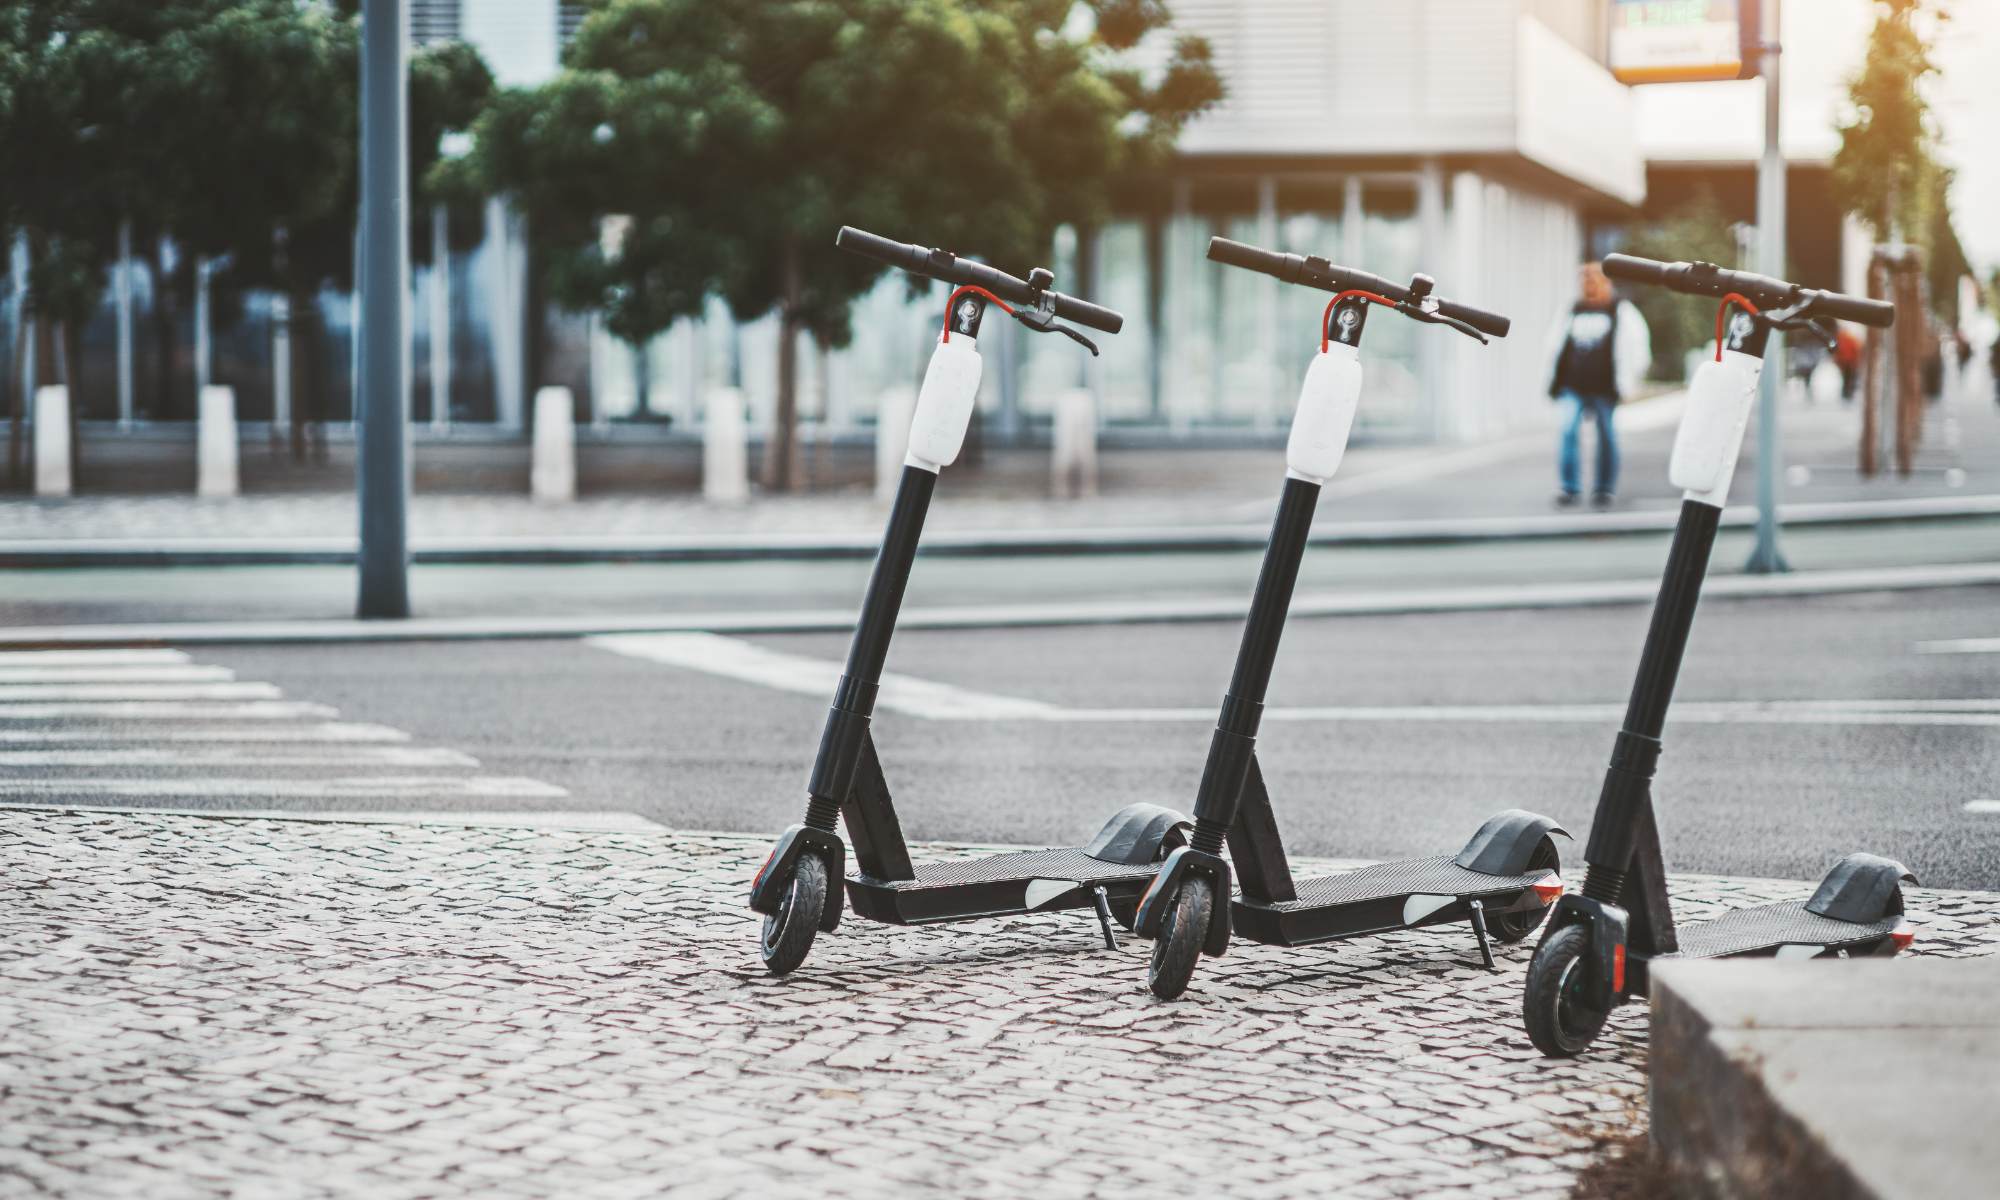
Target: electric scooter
1500,882
1599,945
800,887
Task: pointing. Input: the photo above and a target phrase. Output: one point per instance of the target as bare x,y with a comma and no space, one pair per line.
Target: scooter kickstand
1479,929
1104,917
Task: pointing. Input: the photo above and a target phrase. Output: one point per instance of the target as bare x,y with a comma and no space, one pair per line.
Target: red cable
970,287
1328,314
1722,311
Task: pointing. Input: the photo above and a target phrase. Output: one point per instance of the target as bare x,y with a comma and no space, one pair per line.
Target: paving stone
203,1007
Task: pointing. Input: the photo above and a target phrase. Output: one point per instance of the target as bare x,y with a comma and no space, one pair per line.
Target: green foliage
215,122
738,137
1887,171
1696,231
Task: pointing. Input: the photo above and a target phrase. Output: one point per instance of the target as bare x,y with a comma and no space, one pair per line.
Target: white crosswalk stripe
97,727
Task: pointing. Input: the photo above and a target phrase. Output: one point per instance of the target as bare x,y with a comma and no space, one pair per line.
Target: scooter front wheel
1561,1022
1182,933
788,933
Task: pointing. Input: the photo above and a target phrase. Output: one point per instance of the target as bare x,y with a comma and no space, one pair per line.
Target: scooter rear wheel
788,933
1561,1023
1182,933
1511,927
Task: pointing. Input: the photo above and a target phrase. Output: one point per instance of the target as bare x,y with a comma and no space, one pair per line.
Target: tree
737,137
1887,171
1696,230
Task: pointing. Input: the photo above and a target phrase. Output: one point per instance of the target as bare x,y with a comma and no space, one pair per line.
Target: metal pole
203,373
384,469
1766,558
124,324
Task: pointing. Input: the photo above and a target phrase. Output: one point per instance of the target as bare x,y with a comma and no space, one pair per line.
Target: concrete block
215,443
1073,445
725,450
1863,1078
52,441
892,438
552,469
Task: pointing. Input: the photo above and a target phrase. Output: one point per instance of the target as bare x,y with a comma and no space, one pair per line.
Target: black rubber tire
1511,927
1182,933
1560,1025
788,933
1125,912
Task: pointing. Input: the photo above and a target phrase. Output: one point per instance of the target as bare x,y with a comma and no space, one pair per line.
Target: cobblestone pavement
205,1006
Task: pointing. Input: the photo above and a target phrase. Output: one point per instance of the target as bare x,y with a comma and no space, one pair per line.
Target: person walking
1599,352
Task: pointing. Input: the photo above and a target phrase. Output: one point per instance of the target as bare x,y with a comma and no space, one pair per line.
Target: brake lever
1794,320
1431,318
1044,321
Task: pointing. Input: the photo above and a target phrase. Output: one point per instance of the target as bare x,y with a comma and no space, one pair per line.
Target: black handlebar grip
1250,258
868,245
1879,313
1489,323
1083,312
1635,270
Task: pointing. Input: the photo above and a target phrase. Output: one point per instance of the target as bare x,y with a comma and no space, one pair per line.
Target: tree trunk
308,378
1911,330
163,334
17,388
70,335
781,453
1871,374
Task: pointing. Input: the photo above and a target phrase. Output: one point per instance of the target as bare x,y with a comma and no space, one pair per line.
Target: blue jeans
1569,464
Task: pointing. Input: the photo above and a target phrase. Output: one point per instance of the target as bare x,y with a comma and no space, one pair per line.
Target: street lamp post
1765,557
383,477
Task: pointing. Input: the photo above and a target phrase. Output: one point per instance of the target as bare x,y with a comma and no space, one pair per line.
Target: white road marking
322,731
732,658
138,691
608,820
93,658
746,662
1961,646
168,710
115,674
1983,807
232,756
402,787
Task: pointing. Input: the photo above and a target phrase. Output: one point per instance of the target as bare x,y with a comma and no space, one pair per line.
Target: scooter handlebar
946,266
1707,279
1321,274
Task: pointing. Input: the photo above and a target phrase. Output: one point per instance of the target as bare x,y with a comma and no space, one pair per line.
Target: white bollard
1073,442
725,449
1823,385
552,470
215,443
893,414
52,441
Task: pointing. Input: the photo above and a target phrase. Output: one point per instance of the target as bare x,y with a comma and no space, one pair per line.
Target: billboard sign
1684,41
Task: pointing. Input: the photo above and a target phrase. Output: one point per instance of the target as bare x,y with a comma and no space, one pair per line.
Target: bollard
552,470
892,438
725,450
1073,445
215,443
52,441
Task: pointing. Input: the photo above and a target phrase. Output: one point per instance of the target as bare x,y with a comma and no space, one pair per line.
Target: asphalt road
1780,792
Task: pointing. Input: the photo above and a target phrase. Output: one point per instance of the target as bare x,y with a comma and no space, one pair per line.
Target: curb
1127,611
584,548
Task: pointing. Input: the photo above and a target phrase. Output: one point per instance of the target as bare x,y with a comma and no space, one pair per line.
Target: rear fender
1138,834
1506,842
1861,889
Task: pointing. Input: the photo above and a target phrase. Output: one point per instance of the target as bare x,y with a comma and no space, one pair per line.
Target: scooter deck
1771,929
1016,882
1375,899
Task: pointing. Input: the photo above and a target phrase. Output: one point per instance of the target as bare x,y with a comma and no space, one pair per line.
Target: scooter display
1503,878
800,887
1600,944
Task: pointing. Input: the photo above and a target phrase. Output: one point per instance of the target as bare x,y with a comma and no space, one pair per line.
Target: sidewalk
209,1006
649,491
